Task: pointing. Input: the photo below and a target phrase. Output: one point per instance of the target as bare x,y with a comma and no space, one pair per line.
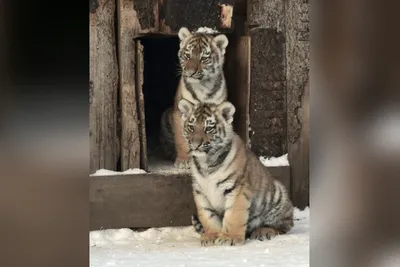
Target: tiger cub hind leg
264,233
198,227
181,145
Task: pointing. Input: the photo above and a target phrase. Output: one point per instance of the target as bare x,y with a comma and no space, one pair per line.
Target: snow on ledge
274,162
104,172
206,30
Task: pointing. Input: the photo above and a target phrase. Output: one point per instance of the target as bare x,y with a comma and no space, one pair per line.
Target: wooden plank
130,140
147,200
139,86
237,72
299,156
297,56
103,86
175,14
268,92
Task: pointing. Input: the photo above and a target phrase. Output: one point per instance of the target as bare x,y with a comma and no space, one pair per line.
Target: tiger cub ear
222,42
184,33
185,107
227,110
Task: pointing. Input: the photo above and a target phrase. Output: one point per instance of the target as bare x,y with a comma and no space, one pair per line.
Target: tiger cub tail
198,227
167,135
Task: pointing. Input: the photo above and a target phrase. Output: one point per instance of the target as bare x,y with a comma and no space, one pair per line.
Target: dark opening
160,81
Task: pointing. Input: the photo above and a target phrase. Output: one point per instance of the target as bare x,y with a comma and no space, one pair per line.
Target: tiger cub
235,195
201,58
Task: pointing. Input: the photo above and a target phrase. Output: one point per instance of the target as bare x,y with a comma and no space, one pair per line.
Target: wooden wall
267,74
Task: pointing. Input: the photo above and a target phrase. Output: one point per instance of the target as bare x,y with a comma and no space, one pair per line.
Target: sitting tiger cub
201,58
235,195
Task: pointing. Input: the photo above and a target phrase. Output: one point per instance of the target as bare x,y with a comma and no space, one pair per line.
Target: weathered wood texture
141,105
130,138
194,14
266,14
147,200
237,72
268,92
265,24
297,56
103,86
144,14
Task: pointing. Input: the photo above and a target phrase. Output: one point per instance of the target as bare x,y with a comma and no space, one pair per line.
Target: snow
180,246
104,172
273,162
206,30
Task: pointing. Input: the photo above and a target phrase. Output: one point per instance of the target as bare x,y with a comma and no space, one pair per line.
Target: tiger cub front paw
182,164
229,240
208,239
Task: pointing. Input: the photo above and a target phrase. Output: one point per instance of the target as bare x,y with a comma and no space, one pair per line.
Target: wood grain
103,87
130,139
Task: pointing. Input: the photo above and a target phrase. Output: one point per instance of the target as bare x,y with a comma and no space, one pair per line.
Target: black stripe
280,197
229,190
226,179
222,156
197,192
197,165
217,87
189,87
234,158
210,210
246,196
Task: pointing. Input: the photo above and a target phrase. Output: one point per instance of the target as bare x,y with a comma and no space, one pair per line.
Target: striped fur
201,58
235,195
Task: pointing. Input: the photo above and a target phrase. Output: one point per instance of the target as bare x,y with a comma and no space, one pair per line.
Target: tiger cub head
207,127
201,56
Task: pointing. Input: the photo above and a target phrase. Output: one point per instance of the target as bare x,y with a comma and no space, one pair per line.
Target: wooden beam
297,58
268,92
127,30
139,86
147,200
103,86
175,14
265,24
237,72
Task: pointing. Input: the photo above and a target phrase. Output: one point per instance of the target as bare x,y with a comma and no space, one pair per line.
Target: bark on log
127,30
103,87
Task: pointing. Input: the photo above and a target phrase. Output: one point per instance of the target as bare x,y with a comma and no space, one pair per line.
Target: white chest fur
200,91
208,184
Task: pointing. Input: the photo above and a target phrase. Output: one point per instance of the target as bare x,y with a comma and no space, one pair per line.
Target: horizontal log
147,200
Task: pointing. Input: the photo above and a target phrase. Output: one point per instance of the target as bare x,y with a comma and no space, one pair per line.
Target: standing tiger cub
235,195
201,57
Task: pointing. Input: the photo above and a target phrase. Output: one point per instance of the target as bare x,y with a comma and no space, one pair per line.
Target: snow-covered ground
275,161
105,172
180,246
